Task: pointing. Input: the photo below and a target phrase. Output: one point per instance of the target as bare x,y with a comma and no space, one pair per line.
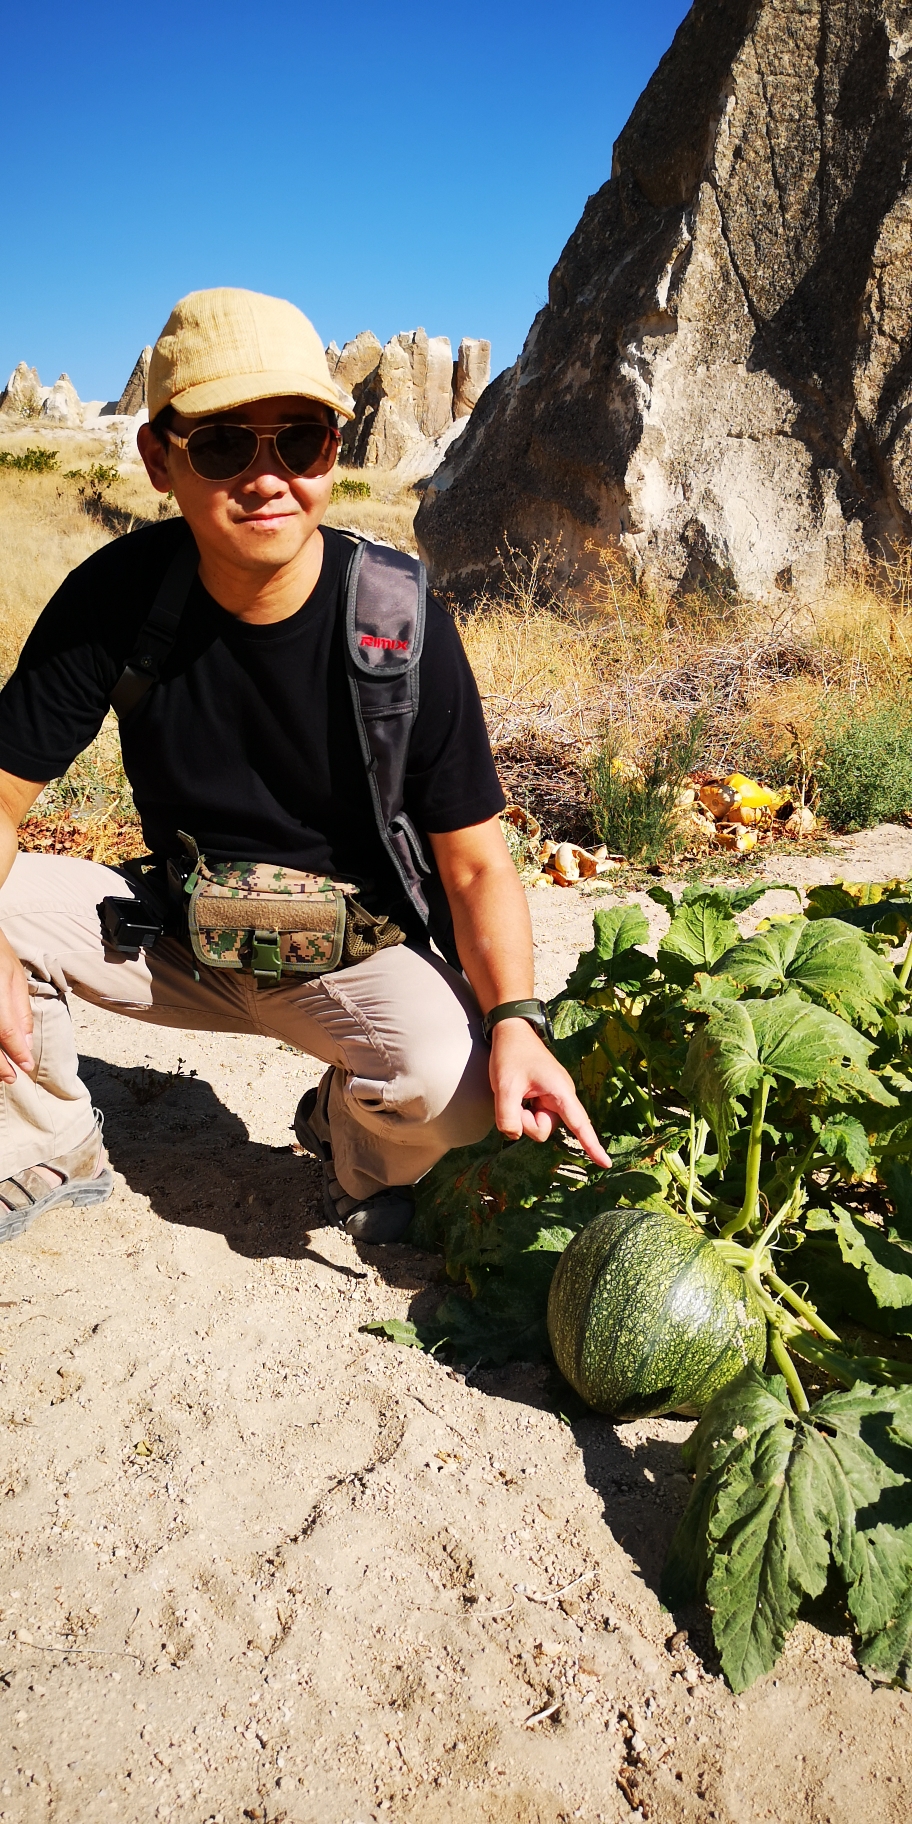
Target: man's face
261,520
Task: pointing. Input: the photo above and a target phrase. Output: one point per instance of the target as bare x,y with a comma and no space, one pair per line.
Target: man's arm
16,796
532,1091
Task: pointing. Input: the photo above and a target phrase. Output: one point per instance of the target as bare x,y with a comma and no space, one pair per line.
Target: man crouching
283,889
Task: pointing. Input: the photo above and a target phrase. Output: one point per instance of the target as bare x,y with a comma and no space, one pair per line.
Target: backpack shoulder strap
385,597
385,602
158,631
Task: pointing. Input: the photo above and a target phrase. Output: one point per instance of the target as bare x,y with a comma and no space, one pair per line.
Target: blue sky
381,166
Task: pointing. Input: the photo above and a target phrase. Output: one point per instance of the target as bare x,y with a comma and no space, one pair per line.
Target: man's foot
80,1176
383,1217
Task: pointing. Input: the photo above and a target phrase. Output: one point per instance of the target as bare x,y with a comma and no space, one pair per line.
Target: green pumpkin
645,1316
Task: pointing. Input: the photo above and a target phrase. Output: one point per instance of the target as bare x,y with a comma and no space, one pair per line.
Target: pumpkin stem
803,1308
686,1177
851,1368
748,1216
905,968
699,1131
789,1372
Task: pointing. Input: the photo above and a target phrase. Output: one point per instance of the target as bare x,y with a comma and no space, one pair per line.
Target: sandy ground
259,1565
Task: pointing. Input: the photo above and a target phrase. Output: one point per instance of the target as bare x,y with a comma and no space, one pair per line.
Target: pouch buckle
266,958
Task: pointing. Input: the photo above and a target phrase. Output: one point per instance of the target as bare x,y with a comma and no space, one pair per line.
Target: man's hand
15,1015
533,1092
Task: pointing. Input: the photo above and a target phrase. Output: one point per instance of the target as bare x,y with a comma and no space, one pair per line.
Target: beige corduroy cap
228,347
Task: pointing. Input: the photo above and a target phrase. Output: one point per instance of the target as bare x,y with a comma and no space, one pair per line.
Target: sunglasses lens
220,451
306,448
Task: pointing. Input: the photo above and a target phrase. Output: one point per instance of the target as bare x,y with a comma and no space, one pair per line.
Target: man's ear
154,457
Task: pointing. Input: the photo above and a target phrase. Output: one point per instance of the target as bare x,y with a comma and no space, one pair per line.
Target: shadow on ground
177,1144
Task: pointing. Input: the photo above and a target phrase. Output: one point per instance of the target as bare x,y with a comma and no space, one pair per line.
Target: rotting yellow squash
754,797
646,1316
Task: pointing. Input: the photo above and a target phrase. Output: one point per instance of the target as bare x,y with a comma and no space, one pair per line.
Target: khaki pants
403,1031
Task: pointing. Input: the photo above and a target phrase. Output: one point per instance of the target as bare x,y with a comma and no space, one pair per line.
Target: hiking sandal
383,1217
84,1177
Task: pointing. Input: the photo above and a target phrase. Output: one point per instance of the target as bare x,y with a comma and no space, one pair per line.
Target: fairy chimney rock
721,378
134,398
471,373
23,393
62,405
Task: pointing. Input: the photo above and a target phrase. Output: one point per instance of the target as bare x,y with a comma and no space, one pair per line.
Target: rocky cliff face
722,376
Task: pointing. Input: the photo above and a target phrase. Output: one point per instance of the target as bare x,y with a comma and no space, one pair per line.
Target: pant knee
432,1088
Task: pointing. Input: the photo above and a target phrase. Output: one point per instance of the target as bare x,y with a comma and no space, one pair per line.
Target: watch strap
534,1011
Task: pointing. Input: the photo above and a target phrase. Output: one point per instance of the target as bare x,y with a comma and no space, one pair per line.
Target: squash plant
755,1092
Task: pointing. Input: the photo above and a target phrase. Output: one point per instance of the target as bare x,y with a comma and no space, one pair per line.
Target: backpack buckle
266,959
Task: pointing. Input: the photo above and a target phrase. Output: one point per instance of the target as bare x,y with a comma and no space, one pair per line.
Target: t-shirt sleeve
54,703
451,780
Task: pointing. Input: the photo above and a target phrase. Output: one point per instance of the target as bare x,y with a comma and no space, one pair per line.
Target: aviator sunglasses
221,452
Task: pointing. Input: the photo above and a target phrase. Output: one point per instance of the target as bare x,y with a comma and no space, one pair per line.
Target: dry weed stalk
533,652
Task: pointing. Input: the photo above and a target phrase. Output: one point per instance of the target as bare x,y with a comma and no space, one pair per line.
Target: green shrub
30,461
101,475
349,489
865,768
635,812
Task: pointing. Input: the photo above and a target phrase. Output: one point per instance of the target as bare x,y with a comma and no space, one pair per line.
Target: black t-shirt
248,742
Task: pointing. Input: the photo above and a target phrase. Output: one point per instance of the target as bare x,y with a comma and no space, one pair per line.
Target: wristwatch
534,1011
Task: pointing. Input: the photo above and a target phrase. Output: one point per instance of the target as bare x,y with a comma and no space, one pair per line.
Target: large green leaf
837,1289
778,1496
843,1139
887,1267
737,899
569,1017
788,1039
881,906
614,956
740,899
886,1653
829,962
700,933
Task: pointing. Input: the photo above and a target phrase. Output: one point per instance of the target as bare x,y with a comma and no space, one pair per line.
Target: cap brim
243,389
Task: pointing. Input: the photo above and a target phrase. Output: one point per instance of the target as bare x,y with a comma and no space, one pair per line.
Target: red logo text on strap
373,639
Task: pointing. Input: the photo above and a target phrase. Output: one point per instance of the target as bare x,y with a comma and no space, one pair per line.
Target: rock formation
471,374
133,398
721,378
62,405
23,394
356,362
405,396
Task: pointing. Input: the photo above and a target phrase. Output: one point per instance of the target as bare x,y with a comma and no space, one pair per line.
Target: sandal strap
17,1193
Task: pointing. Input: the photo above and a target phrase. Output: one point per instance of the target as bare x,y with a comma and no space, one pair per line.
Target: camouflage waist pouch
278,921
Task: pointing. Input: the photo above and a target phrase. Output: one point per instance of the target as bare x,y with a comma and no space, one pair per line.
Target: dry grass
45,531
558,665
388,515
